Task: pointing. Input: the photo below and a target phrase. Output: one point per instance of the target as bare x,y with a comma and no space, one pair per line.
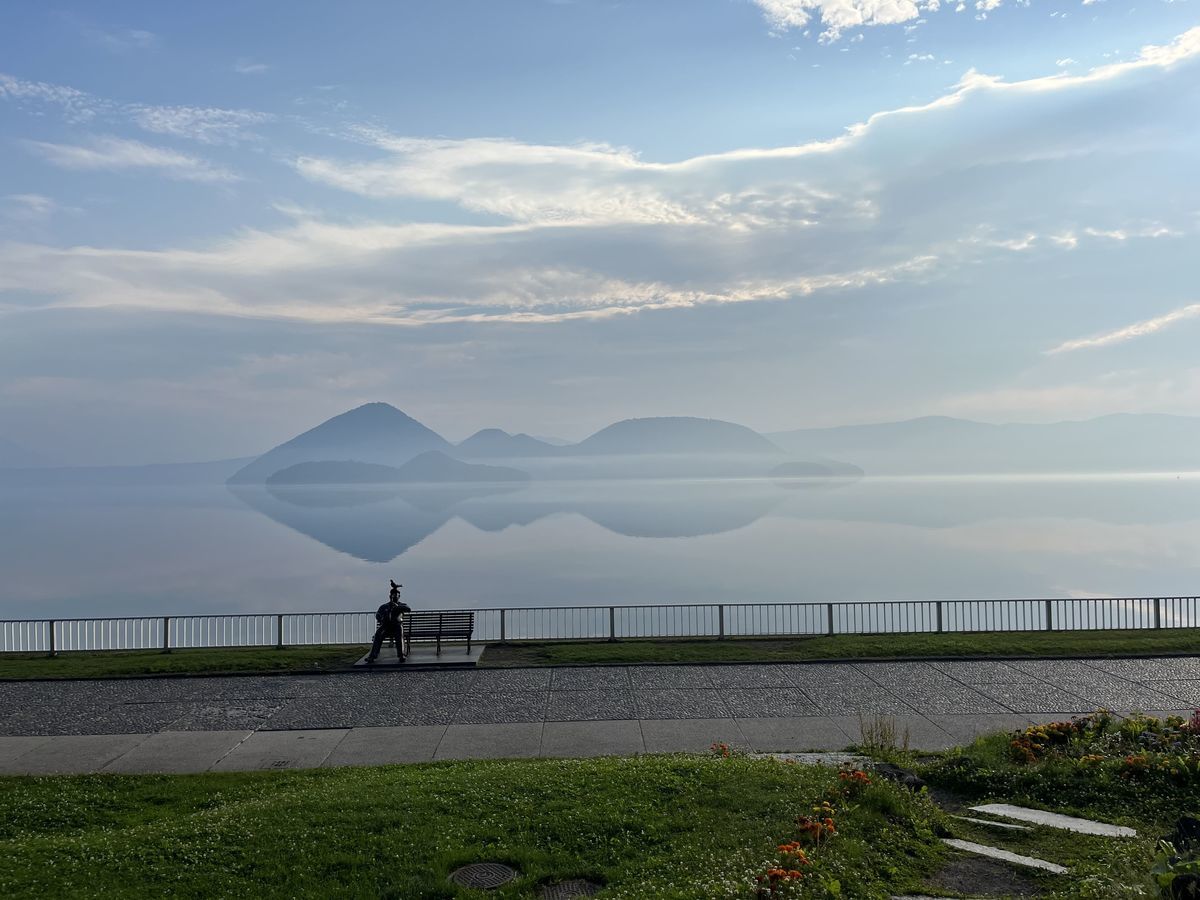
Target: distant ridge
495,444
373,433
675,434
432,467
1123,442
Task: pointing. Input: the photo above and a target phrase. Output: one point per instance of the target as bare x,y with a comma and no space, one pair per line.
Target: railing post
166,634
53,639
279,631
721,622
829,618
1158,612
502,626
1049,616
939,617
612,623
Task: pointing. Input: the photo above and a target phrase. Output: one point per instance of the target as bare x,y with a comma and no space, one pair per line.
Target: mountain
492,443
938,444
675,435
375,433
432,467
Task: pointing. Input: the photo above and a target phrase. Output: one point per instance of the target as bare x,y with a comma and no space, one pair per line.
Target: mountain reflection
378,523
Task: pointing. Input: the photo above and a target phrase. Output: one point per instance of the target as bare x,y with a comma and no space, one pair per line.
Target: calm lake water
155,550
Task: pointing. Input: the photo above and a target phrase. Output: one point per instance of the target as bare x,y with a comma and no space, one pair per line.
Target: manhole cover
484,876
569,890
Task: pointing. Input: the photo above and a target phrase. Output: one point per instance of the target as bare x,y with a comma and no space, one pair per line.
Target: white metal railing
570,623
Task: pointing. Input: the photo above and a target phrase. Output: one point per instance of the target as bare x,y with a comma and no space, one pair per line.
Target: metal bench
429,625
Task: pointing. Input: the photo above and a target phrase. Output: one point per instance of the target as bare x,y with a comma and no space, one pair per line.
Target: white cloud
210,125
121,40
1065,61
837,15
590,231
29,207
249,67
77,106
205,124
118,154
1130,332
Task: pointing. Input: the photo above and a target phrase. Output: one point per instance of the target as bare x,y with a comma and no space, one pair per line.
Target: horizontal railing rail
614,623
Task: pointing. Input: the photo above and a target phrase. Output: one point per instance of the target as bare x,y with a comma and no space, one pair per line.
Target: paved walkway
382,716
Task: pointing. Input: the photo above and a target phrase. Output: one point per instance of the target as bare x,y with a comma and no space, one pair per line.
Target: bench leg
468,645
439,644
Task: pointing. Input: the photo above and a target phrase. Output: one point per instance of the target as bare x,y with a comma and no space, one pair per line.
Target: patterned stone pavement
932,695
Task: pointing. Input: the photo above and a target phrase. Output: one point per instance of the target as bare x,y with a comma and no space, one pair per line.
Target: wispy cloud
119,154
840,15
209,125
1130,332
122,40
77,106
29,207
250,67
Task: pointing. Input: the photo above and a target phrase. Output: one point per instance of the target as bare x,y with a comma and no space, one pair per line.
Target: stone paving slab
505,680
281,750
770,702
691,735
767,735
983,671
951,698
385,746
408,709
72,754
501,708
14,746
866,698
680,703
177,752
245,715
1186,692
1054,820
316,712
1036,697
1030,862
578,706
490,741
749,676
668,677
1165,668
572,739
608,678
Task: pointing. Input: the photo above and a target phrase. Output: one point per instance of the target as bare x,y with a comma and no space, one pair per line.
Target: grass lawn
84,664
867,646
881,646
645,827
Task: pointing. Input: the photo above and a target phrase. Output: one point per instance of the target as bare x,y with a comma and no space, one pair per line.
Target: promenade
239,723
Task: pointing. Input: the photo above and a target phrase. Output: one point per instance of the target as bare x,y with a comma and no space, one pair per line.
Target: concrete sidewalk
229,751
390,714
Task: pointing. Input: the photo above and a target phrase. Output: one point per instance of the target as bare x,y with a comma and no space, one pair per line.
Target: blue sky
221,223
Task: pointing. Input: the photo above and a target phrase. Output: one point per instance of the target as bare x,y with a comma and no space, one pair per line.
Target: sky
222,223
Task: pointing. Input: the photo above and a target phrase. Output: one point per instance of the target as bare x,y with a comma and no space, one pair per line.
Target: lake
91,551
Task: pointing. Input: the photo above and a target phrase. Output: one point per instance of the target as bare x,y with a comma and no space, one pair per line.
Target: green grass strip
870,646
647,826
